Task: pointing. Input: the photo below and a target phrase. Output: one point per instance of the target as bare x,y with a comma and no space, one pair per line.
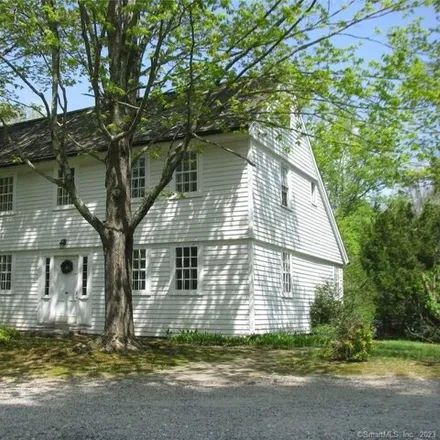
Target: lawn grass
29,357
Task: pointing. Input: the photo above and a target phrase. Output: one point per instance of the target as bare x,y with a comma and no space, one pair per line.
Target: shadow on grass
31,357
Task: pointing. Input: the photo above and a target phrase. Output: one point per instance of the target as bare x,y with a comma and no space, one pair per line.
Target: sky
369,51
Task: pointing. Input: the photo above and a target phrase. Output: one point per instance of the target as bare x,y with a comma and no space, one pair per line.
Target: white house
242,252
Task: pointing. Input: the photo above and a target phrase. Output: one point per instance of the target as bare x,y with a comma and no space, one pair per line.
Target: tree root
113,343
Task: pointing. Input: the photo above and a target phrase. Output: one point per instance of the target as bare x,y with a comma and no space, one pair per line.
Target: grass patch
29,357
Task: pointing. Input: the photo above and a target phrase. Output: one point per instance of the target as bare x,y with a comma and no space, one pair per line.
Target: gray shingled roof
32,138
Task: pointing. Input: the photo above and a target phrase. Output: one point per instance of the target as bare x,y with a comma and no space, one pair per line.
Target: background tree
401,255
171,68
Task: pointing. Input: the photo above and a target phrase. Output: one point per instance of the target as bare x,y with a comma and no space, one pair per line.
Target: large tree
171,68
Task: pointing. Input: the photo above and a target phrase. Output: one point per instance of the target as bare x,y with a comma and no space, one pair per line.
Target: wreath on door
66,266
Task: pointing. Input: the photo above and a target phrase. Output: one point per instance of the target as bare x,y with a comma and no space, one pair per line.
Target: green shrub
324,334
8,334
326,306
353,339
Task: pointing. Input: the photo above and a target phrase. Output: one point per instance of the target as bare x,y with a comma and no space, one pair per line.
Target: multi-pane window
139,269
313,193
186,173
85,271
287,277
138,173
5,272
47,277
284,186
63,197
186,268
6,193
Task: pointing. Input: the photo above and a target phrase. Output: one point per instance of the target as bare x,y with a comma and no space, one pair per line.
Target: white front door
65,288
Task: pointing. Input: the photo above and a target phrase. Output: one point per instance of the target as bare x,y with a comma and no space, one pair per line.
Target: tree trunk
119,326
117,240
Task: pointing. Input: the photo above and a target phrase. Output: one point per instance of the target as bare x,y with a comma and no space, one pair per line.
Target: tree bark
119,326
117,241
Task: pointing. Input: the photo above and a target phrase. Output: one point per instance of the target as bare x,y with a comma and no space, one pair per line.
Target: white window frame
146,270
200,271
284,184
14,180
75,178
313,193
89,276
286,276
146,177
198,172
11,289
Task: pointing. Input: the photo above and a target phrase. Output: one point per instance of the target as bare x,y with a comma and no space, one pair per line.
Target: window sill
64,208
7,213
140,293
284,296
183,196
287,208
186,293
6,293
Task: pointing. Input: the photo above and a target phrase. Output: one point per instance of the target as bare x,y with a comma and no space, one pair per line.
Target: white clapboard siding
19,309
222,306
273,311
219,211
287,144
304,227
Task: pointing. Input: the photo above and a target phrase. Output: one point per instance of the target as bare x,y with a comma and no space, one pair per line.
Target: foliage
401,255
326,305
353,341
281,339
8,334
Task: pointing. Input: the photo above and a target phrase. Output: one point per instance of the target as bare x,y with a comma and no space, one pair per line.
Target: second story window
284,186
186,173
138,178
6,193
63,197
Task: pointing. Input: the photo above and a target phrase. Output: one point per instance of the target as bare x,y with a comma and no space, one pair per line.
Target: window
85,270
284,186
287,277
186,268
6,193
47,277
5,272
313,193
186,173
139,269
63,197
138,181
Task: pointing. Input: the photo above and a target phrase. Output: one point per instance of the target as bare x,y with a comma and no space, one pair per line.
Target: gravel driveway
266,408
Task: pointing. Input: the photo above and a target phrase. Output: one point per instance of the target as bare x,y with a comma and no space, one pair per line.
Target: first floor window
85,271
138,175
287,277
6,193
186,268
47,277
139,269
5,272
284,186
63,197
186,173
